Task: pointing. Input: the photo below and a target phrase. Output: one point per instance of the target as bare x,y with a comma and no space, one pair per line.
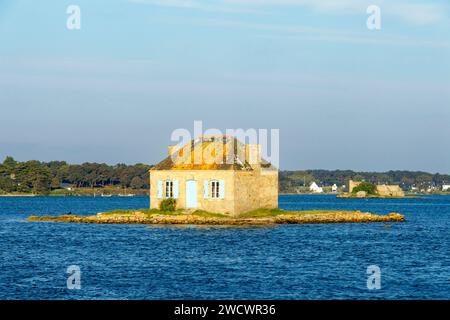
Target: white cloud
208,6
305,33
332,6
419,13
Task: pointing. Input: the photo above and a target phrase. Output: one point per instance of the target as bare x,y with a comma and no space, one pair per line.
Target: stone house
216,174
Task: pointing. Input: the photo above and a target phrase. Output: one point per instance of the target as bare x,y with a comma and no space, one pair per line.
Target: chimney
253,154
171,149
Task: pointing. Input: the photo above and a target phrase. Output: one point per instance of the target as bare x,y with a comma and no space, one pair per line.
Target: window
215,192
168,189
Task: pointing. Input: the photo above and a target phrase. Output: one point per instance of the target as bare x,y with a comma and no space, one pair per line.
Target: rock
361,194
286,218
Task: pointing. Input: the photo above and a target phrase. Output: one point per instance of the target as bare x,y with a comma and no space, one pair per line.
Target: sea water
323,261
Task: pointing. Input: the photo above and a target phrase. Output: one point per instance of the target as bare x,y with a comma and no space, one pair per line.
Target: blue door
191,194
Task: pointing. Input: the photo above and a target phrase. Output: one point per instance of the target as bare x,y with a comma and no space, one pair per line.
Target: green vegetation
124,212
256,217
149,212
367,187
168,204
299,181
206,214
258,213
265,213
56,177
154,212
61,178
262,213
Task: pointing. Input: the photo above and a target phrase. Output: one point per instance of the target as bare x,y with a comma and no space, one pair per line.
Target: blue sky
343,97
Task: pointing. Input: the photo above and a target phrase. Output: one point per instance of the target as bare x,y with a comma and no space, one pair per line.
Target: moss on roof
232,158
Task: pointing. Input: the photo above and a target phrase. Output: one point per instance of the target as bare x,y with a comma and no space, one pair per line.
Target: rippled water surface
281,262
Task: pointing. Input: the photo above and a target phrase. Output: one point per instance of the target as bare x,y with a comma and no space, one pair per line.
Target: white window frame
215,189
168,189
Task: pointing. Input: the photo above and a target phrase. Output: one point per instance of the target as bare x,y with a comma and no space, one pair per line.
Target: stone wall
390,191
244,190
256,189
225,205
352,184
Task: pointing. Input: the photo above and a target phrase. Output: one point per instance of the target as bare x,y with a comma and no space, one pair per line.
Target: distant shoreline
88,178
338,195
18,195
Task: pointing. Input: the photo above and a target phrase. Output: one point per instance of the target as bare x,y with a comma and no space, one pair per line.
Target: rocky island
364,189
255,217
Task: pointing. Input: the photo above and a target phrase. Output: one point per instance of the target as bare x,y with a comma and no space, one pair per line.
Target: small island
363,189
198,217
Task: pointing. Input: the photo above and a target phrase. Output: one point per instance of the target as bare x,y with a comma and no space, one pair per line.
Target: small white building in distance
334,188
315,188
446,187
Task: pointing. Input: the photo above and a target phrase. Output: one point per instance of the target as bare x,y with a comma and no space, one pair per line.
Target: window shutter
221,189
205,189
175,189
159,189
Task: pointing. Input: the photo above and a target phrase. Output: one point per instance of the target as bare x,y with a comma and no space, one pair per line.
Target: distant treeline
42,177
292,181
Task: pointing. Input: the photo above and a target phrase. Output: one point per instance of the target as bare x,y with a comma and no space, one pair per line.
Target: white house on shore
315,188
446,187
334,188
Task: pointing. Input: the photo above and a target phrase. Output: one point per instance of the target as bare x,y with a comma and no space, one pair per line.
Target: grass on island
158,212
200,217
265,213
258,213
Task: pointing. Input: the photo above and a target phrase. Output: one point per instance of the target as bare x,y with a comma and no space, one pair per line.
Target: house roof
209,153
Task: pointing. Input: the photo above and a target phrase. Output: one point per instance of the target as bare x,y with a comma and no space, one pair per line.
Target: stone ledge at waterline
256,217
